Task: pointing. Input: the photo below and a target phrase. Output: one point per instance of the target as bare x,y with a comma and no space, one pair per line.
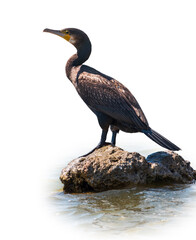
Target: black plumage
113,104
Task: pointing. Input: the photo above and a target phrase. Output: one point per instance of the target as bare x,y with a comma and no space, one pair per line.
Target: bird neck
70,65
83,53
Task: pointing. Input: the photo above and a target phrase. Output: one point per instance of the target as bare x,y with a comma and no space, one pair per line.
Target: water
120,211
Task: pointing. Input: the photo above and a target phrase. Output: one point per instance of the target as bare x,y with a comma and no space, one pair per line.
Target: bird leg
103,139
101,143
113,142
114,130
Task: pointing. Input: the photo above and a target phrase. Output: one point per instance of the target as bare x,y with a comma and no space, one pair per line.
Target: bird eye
67,32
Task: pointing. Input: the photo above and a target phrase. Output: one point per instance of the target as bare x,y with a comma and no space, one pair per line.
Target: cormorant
113,104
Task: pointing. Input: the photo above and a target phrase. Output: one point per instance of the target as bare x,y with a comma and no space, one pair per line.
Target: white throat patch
72,41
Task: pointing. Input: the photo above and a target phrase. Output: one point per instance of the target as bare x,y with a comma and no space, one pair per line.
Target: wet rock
113,168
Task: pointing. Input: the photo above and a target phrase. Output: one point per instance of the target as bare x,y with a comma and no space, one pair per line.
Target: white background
149,46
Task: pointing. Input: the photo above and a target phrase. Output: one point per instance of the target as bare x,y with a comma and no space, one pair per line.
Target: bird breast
73,74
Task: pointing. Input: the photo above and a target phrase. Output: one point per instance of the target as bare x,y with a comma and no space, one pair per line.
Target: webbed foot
97,147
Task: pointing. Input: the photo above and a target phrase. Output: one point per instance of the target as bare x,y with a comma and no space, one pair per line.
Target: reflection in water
120,210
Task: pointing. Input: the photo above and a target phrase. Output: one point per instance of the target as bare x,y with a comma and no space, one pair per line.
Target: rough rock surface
113,168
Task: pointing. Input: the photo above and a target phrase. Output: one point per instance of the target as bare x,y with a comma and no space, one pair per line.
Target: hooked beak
59,33
56,32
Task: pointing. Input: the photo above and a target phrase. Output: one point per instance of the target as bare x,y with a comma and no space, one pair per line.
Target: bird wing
104,94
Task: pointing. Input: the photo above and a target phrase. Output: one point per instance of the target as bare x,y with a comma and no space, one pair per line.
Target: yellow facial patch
67,37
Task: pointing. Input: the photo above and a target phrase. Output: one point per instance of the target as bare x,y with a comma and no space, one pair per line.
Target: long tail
162,141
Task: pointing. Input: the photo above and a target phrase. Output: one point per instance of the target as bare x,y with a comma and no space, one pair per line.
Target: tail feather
162,141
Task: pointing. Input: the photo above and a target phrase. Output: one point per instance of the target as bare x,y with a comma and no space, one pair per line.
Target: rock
113,168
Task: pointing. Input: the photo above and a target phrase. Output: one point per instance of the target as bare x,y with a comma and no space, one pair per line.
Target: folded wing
104,94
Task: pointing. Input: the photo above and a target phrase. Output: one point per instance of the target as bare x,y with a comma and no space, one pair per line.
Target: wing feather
104,94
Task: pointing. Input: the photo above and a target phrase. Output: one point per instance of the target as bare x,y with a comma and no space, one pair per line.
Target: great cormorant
113,104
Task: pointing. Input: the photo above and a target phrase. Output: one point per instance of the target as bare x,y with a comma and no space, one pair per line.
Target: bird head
75,36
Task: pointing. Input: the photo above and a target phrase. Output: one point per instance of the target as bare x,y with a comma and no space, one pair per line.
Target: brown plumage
113,104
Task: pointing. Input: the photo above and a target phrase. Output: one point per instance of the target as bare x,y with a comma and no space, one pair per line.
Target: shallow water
119,211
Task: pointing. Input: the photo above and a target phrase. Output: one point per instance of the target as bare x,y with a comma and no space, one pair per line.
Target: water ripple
121,210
